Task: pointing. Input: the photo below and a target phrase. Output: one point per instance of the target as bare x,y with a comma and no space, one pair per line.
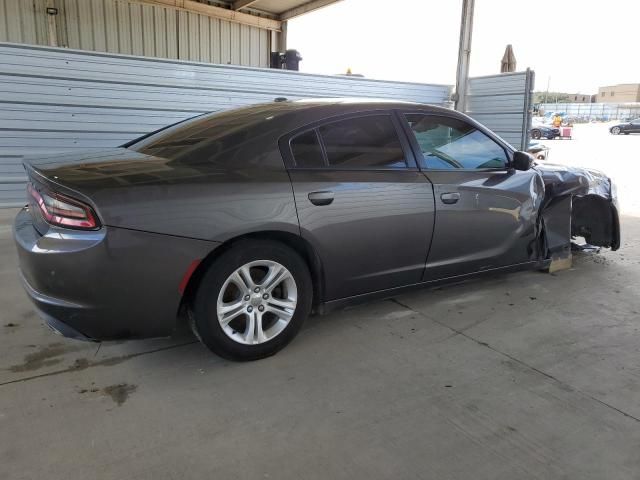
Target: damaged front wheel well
592,218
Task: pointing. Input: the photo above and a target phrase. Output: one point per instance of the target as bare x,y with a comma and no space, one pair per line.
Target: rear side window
306,150
369,142
449,143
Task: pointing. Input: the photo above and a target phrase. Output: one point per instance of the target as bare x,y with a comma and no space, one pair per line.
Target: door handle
321,198
450,198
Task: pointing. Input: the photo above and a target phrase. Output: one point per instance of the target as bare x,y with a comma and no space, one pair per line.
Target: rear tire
252,301
536,134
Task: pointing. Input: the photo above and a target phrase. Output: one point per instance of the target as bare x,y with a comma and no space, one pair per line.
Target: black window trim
417,151
287,152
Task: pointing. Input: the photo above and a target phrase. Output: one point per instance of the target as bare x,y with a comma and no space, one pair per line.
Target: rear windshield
192,134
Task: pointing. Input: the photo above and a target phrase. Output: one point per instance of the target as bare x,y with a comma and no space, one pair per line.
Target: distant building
580,98
621,93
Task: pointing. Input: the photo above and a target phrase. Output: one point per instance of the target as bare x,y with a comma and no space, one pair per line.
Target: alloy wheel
257,302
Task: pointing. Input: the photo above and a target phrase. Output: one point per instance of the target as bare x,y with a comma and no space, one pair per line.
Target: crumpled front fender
577,202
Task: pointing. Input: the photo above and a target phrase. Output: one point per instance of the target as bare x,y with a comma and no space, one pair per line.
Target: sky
574,45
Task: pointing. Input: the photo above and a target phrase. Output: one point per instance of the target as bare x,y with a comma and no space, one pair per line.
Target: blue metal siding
57,100
502,103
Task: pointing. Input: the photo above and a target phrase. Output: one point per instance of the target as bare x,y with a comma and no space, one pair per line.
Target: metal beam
217,12
238,4
464,55
52,28
306,8
528,109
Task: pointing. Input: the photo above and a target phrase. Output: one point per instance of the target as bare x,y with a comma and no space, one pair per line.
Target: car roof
292,113
344,104
288,117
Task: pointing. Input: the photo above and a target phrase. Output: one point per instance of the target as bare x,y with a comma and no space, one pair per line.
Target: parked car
543,131
539,151
626,128
248,220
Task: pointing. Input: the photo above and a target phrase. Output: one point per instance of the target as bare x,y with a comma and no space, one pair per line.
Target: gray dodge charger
244,222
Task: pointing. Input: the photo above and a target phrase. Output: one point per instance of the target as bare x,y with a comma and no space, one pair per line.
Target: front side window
449,143
369,142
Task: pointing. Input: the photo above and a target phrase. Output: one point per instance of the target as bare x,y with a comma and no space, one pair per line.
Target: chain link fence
591,112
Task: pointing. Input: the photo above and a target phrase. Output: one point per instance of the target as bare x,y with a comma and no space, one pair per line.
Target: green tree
539,97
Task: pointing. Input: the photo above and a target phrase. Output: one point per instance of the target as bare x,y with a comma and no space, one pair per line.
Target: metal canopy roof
280,9
269,14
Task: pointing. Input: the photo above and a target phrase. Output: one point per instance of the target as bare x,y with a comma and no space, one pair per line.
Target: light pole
546,95
464,55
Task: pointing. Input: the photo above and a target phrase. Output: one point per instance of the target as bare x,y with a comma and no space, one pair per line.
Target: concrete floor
523,376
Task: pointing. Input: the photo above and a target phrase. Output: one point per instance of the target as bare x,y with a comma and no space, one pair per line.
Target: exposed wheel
252,301
536,134
615,130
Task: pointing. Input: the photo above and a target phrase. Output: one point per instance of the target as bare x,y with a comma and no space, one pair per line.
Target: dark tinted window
212,133
363,142
306,150
450,143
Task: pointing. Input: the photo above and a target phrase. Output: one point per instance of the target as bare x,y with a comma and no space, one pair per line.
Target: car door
362,202
634,126
486,212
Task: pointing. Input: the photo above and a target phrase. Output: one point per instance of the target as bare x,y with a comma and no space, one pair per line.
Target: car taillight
63,211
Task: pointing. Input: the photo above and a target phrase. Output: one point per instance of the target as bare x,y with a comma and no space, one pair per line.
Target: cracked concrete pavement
521,376
527,375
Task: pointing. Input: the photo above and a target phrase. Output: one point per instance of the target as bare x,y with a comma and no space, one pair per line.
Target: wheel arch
296,242
596,219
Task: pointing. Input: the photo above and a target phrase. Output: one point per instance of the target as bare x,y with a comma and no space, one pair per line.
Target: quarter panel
204,195
218,207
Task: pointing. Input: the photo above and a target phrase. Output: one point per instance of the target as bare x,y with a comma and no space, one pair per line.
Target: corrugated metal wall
23,21
503,103
56,100
119,26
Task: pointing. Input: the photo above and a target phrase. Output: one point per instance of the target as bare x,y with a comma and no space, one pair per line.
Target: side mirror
522,161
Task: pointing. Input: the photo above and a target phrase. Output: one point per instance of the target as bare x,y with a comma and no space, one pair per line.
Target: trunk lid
85,172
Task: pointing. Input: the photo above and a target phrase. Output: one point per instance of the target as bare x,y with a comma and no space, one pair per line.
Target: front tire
536,134
615,130
253,300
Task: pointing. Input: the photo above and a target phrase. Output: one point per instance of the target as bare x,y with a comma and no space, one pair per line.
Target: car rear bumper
52,309
107,284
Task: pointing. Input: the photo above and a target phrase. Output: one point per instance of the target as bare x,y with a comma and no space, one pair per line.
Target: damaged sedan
244,222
